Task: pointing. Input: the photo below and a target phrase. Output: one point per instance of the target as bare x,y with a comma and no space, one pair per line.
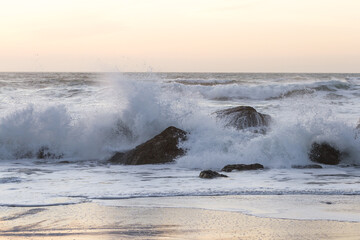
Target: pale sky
180,35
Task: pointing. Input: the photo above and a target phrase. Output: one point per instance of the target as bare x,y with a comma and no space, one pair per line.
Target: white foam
71,183
122,112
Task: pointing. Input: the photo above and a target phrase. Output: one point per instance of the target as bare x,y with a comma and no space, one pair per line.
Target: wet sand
97,221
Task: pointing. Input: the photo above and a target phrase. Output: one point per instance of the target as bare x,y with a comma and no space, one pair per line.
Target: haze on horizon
180,35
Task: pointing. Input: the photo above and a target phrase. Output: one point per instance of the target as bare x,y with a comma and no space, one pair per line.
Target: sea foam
123,111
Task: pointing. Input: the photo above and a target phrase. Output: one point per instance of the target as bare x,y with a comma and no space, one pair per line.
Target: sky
180,35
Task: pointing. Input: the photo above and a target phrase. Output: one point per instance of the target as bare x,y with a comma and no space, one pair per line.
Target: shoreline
342,208
145,221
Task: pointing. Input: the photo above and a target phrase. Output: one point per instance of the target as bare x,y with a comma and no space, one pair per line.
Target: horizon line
272,72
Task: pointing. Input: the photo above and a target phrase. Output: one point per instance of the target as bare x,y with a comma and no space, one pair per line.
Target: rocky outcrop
64,162
209,174
44,153
162,148
309,166
324,153
242,167
243,117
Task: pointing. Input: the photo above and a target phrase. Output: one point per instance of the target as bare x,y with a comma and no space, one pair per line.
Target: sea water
83,118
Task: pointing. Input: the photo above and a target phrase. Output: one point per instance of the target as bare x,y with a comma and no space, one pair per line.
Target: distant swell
226,90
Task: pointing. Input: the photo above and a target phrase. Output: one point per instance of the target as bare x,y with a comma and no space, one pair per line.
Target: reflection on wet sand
131,231
93,221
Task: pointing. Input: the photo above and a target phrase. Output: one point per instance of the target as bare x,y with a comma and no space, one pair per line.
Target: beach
106,221
59,132
164,120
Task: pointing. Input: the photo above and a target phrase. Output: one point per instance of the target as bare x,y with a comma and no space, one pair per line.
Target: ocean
83,118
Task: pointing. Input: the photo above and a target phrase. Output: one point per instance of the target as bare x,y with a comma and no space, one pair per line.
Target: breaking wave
124,111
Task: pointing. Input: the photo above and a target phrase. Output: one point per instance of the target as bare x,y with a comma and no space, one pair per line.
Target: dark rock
162,148
64,162
44,153
119,157
242,167
309,166
324,153
210,174
243,117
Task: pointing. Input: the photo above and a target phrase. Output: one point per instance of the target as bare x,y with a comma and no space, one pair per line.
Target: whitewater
83,118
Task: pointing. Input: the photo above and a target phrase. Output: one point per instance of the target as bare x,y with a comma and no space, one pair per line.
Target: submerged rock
324,153
44,153
210,174
243,117
242,167
63,162
162,148
309,166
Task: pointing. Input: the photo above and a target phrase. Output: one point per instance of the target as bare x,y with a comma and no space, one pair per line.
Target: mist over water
85,117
